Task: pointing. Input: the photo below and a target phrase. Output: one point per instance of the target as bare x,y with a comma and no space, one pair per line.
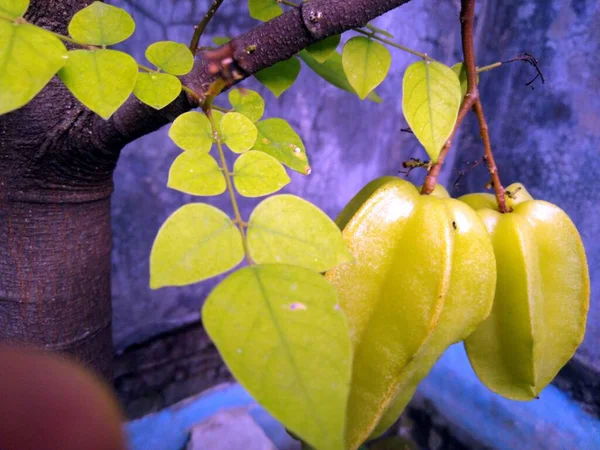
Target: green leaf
279,77
172,57
13,9
221,40
461,72
101,24
366,63
256,174
238,132
277,138
192,132
333,72
197,242
430,102
381,31
157,89
284,338
29,57
287,229
248,103
101,79
264,9
323,49
197,175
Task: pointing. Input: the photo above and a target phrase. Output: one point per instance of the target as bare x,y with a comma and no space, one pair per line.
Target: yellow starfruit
423,278
542,295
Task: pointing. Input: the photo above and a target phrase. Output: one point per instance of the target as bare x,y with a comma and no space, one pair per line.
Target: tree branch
271,42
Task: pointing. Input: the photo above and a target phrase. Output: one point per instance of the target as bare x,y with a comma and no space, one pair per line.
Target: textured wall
548,138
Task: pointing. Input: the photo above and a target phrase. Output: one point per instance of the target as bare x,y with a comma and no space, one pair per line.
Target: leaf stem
228,180
471,100
373,35
199,29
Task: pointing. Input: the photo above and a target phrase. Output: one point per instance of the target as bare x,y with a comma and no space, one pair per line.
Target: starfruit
423,278
542,295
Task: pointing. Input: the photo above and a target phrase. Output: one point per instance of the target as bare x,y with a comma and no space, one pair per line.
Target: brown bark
56,165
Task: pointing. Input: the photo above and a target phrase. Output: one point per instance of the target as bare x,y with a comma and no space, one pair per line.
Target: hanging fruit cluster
430,271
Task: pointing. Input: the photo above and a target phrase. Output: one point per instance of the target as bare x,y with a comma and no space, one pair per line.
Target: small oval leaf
279,77
172,57
430,102
29,57
264,9
192,132
196,242
277,138
248,103
323,49
287,229
276,327
13,8
157,89
366,63
333,72
256,174
100,79
101,24
238,132
197,175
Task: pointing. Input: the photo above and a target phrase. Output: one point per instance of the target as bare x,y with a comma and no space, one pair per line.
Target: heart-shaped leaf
248,103
323,49
192,132
289,230
277,138
332,71
284,338
430,101
172,57
238,132
366,63
29,57
196,174
157,89
196,242
264,9
100,79
256,174
101,24
279,77
13,8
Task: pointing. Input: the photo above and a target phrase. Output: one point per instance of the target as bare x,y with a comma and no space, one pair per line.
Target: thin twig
466,20
199,29
471,100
